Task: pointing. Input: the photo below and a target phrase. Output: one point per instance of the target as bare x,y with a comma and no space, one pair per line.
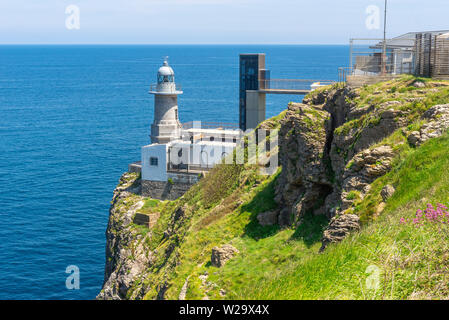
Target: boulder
338,228
414,138
387,192
418,84
438,123
222,254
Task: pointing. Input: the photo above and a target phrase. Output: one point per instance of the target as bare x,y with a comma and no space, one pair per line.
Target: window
212,138
153,161
176,114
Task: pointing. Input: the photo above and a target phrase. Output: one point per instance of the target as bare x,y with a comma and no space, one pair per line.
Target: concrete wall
135,167
255,108
154,173
200,154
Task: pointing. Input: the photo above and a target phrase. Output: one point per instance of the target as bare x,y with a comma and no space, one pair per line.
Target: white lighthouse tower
166,126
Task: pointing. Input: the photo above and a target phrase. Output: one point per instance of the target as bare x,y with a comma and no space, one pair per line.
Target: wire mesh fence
423,54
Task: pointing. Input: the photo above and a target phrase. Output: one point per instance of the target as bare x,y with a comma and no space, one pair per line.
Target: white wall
154,173
200,154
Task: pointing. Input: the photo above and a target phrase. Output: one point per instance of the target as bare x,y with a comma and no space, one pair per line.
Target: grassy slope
285,264
413,262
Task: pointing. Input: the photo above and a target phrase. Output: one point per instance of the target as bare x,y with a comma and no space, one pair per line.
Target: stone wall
148,220
164,190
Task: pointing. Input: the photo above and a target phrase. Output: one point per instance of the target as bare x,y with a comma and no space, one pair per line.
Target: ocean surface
73,117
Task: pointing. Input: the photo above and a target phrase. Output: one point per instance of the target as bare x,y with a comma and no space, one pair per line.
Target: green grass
412,262
274,122
285,264
401,90
237,228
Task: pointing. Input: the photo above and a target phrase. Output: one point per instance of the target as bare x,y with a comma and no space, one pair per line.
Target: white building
179,153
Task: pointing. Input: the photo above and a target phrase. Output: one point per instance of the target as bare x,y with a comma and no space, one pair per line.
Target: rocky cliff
334,145
333,149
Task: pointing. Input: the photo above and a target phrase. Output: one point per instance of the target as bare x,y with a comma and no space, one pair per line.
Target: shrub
353,195
219,183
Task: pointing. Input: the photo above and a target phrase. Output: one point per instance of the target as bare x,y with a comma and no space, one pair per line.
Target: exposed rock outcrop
438,122
321,165
303,141
330,152
363,169
220,255
120,270
387,192
339,228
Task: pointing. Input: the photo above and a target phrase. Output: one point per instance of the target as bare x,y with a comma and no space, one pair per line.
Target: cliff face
126,254
334,145
334,148
131,256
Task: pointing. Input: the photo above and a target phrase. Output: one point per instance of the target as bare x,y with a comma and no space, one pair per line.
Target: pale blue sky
212,21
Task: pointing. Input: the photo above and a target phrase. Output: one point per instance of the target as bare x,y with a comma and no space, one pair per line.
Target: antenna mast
384,49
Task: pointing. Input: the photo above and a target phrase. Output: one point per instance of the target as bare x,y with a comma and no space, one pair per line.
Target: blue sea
73,117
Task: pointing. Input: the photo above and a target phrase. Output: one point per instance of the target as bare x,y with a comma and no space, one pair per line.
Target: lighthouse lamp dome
165,73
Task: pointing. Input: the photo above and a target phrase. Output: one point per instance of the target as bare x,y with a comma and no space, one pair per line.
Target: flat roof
408,39
210,143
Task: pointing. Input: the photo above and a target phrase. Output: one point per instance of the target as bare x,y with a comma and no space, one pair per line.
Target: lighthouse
166,126
179,154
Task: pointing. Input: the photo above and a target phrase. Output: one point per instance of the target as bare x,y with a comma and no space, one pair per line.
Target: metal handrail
291,84
209,125
343,72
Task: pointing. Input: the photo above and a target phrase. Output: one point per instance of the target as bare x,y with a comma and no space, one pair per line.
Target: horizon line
172,44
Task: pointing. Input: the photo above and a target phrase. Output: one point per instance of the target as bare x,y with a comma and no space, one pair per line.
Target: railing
188,168
291,84
367,56
166,88
210,125
343,73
